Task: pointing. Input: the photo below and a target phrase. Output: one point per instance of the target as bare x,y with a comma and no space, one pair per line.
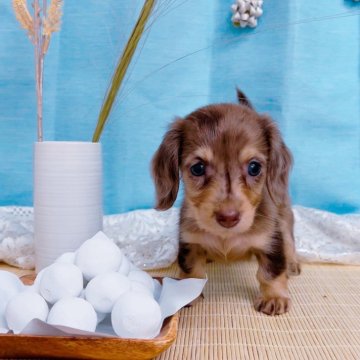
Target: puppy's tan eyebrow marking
251,153
204,153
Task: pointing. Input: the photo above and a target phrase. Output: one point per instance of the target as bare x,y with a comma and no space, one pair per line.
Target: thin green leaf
121,68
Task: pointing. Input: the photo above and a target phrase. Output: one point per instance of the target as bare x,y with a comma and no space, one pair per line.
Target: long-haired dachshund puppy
235,167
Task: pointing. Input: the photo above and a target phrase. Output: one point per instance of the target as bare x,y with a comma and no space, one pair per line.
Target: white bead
236,17
135,316
252,10
73,312
103,290
234,8
60,280
243,24
252,22
242,9
259,12
23,308
244,17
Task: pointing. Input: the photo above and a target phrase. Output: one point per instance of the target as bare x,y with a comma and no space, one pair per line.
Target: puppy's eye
254,168
198,169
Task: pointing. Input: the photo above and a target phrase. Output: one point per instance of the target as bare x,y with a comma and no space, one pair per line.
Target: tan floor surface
324,322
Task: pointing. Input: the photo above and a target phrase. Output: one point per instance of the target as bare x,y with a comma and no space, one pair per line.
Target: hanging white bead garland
246,12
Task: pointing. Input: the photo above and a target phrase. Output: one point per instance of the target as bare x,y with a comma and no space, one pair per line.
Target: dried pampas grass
45,20
52,21
23,16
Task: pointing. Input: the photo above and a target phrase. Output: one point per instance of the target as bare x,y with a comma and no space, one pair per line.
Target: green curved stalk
121,68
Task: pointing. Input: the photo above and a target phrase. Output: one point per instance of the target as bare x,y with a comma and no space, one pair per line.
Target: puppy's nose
227,218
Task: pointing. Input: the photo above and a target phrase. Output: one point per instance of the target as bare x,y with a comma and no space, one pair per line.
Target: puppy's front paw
272,306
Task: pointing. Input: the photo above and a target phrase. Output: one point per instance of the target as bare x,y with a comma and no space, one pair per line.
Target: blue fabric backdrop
301,65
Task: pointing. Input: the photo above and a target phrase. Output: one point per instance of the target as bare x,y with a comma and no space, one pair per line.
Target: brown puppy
235,167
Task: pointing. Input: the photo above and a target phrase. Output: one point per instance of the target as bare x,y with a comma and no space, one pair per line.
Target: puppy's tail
243,100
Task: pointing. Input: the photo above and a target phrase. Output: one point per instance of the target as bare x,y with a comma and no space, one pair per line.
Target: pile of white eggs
246,12
80,289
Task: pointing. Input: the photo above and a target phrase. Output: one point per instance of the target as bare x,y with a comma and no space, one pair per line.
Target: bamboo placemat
324,322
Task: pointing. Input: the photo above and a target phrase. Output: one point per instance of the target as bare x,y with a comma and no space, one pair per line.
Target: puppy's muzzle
227,218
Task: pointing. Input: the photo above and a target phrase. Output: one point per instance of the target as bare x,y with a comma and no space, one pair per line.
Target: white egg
103,290
3,303
60,280
98,255
68,258
125,266
73,312
23,308
135,316
35,287
143,278
10,285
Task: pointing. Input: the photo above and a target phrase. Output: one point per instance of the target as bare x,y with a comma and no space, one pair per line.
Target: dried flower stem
121,68
39,58
39,27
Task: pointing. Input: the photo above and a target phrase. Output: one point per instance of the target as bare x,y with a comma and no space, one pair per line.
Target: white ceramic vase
68,202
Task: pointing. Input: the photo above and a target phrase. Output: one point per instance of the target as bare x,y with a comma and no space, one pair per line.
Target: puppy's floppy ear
166,166
243,100
279,164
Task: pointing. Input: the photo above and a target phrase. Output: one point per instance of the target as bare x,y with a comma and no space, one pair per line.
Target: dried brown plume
23,16
51,21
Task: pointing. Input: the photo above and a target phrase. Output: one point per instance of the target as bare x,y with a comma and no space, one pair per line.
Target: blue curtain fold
300,65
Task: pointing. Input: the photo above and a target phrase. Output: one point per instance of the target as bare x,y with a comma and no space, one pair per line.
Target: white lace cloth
150,238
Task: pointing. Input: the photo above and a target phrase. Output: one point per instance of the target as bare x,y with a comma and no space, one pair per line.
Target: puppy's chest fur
227,248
